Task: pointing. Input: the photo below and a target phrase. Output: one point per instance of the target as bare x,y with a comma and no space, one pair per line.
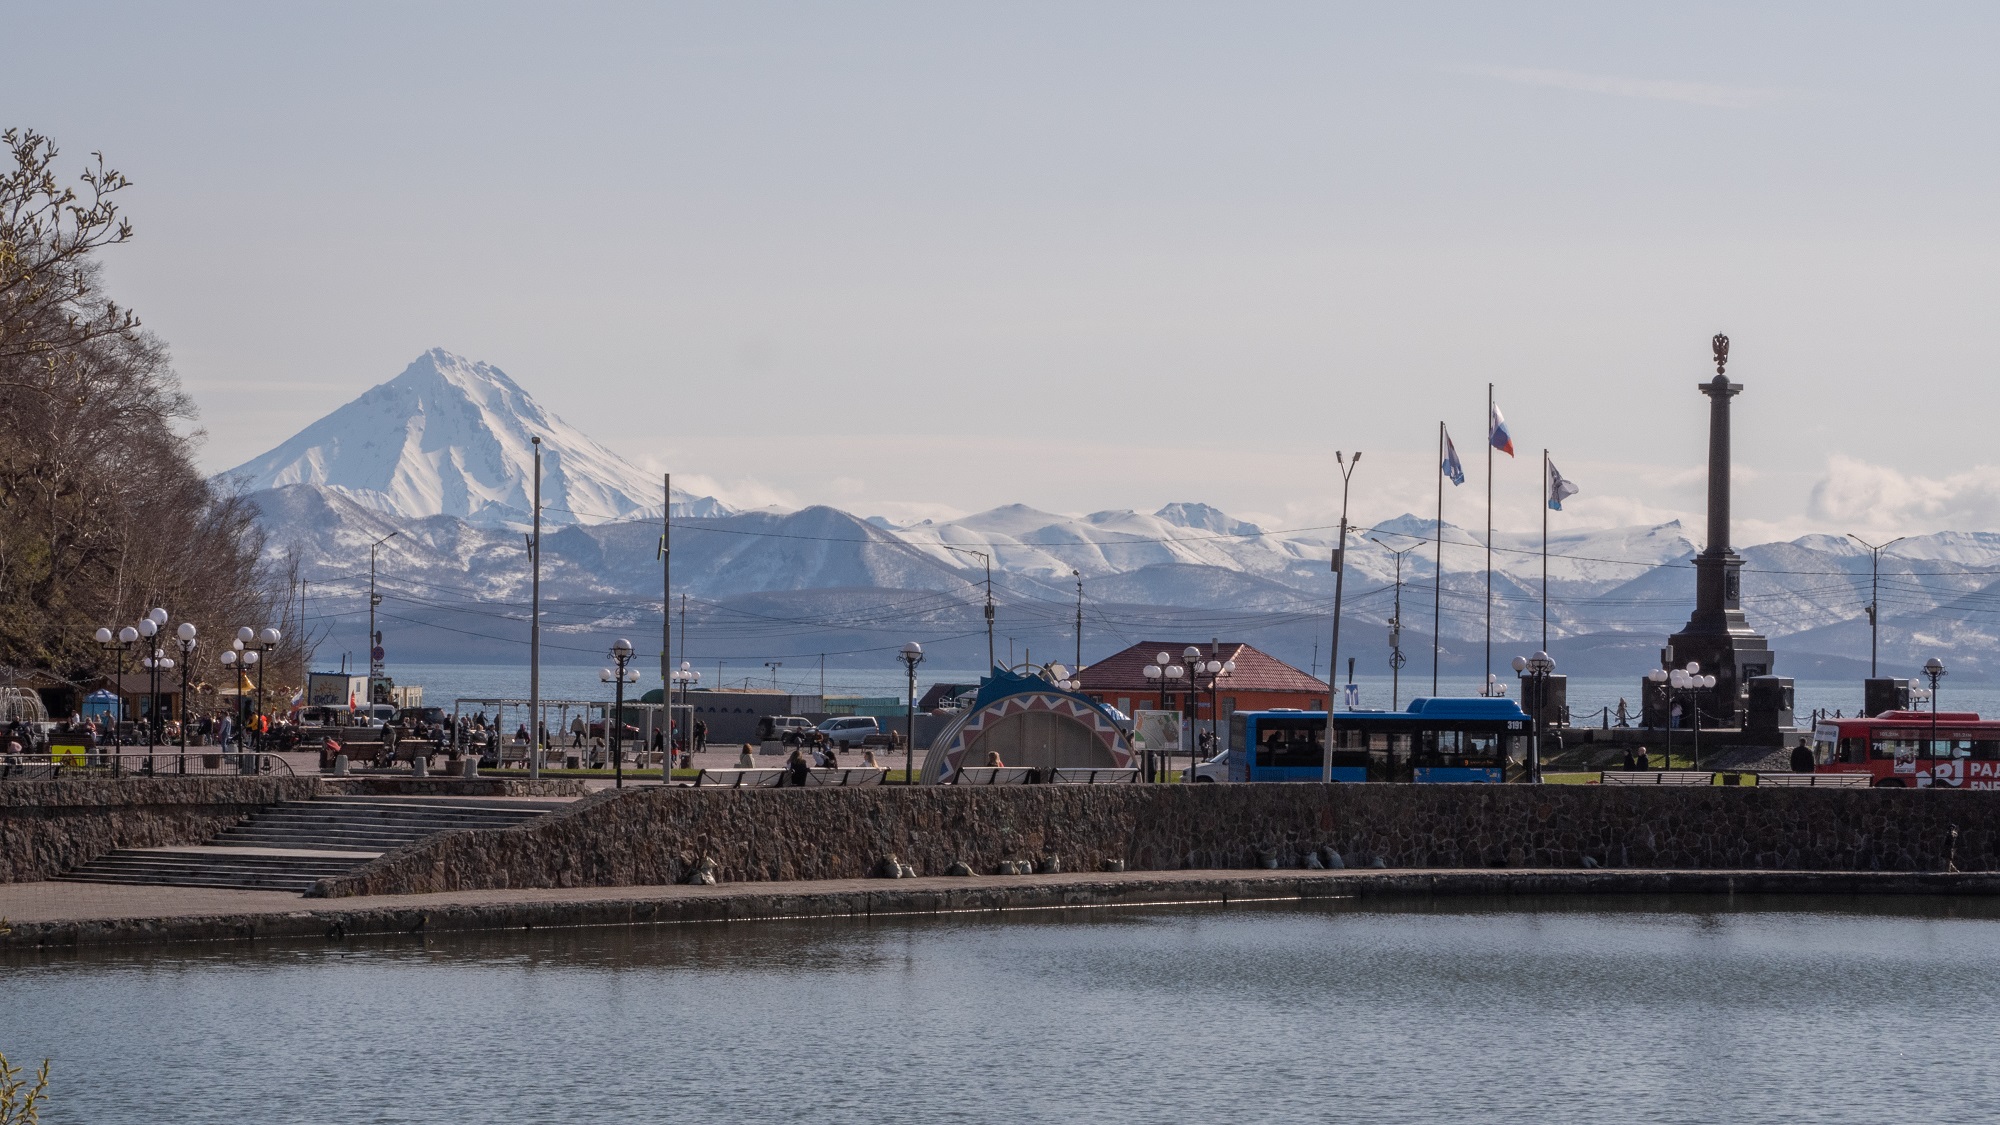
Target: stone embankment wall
47,827
650,836
404,785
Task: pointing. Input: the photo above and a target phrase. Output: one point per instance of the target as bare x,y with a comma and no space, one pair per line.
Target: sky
921,259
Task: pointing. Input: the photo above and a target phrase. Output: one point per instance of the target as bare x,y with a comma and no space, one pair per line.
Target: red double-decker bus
1903,750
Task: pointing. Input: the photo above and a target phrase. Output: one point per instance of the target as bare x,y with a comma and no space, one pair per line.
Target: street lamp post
1162,671
911,656
1934,668
1347,468
120,643
1686,681
621,655
685,677
1534,672
185,636
256,646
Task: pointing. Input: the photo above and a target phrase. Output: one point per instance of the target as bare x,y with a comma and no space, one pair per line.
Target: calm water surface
1681,1010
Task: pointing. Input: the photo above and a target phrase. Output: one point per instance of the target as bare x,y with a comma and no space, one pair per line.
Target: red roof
1255,670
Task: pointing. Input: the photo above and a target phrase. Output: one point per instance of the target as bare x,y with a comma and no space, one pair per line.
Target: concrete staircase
292,845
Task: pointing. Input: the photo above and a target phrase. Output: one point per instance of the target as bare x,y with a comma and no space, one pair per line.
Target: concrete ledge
626,906
445,785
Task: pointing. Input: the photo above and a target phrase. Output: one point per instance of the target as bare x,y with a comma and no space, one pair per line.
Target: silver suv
849,731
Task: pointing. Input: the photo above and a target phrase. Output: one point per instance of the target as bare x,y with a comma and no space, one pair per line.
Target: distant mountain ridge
441,455
453,437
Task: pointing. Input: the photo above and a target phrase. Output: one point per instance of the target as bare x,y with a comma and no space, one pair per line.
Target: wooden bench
1091,775
994,775
842,775
740,779
1657,777
1819,780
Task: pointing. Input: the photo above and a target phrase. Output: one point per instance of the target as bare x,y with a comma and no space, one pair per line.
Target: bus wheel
1890,783
1199,779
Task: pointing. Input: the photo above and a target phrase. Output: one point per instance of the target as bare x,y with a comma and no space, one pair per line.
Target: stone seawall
47,827
653,836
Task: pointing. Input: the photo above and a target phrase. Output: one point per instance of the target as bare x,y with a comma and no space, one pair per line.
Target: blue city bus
1433,740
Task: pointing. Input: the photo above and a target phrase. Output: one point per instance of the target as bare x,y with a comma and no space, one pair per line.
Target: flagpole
1545,550
1437,582
1486,677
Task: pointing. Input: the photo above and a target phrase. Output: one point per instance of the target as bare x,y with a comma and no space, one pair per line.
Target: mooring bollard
419,767
471,768
340,765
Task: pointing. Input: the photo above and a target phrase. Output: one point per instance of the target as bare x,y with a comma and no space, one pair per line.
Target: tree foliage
103,513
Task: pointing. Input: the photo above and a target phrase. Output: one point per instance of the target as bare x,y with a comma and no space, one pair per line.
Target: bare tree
103,513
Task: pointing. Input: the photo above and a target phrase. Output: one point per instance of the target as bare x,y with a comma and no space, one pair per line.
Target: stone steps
292,845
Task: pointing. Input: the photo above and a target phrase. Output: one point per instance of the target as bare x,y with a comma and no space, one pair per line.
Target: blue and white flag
1451,467
1559,489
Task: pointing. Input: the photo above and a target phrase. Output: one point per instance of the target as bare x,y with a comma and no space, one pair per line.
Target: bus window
1482,746
1289,745
1891,745
1378,741
1983,750
1853,751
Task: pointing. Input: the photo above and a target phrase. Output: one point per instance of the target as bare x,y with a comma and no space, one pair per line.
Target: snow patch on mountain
452,436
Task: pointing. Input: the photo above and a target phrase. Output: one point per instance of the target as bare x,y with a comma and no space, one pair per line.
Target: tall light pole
1934,668
535,627
621,655
375,653
149,628
912,655
1874,590
1347,468
774,665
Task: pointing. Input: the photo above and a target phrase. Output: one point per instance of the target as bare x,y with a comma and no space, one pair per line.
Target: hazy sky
930,258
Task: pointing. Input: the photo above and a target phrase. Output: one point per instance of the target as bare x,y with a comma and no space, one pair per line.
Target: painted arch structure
1030,722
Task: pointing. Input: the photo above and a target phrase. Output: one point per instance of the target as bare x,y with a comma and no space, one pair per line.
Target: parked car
789,729
432,716
1213,769
850,731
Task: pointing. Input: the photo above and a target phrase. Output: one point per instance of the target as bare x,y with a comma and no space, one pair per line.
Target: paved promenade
72,914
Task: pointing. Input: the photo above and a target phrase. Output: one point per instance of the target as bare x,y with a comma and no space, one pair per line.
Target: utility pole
983,557
1078,575
375,653
1396,658
667,597
1347,468
535,628
1874,590
774,665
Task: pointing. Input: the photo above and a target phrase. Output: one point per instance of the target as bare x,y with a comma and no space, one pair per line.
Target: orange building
1258,682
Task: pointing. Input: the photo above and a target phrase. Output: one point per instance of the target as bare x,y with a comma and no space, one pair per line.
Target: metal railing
78,762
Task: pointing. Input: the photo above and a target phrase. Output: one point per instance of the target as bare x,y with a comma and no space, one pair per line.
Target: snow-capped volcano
453,436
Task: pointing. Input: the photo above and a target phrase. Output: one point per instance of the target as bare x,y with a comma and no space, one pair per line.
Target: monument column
1717,636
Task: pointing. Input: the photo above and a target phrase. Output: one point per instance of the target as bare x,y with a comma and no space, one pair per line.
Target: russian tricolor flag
1499,437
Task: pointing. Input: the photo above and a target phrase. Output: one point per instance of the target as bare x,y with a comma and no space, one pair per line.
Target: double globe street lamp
912,654
121,643
1215,669
621,655
1688,681
251,649
1534,672
1162,672
683,678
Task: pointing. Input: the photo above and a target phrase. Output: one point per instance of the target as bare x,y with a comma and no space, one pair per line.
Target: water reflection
1640,1008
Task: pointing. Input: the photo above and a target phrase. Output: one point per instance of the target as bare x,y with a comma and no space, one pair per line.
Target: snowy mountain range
453,437
441,455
